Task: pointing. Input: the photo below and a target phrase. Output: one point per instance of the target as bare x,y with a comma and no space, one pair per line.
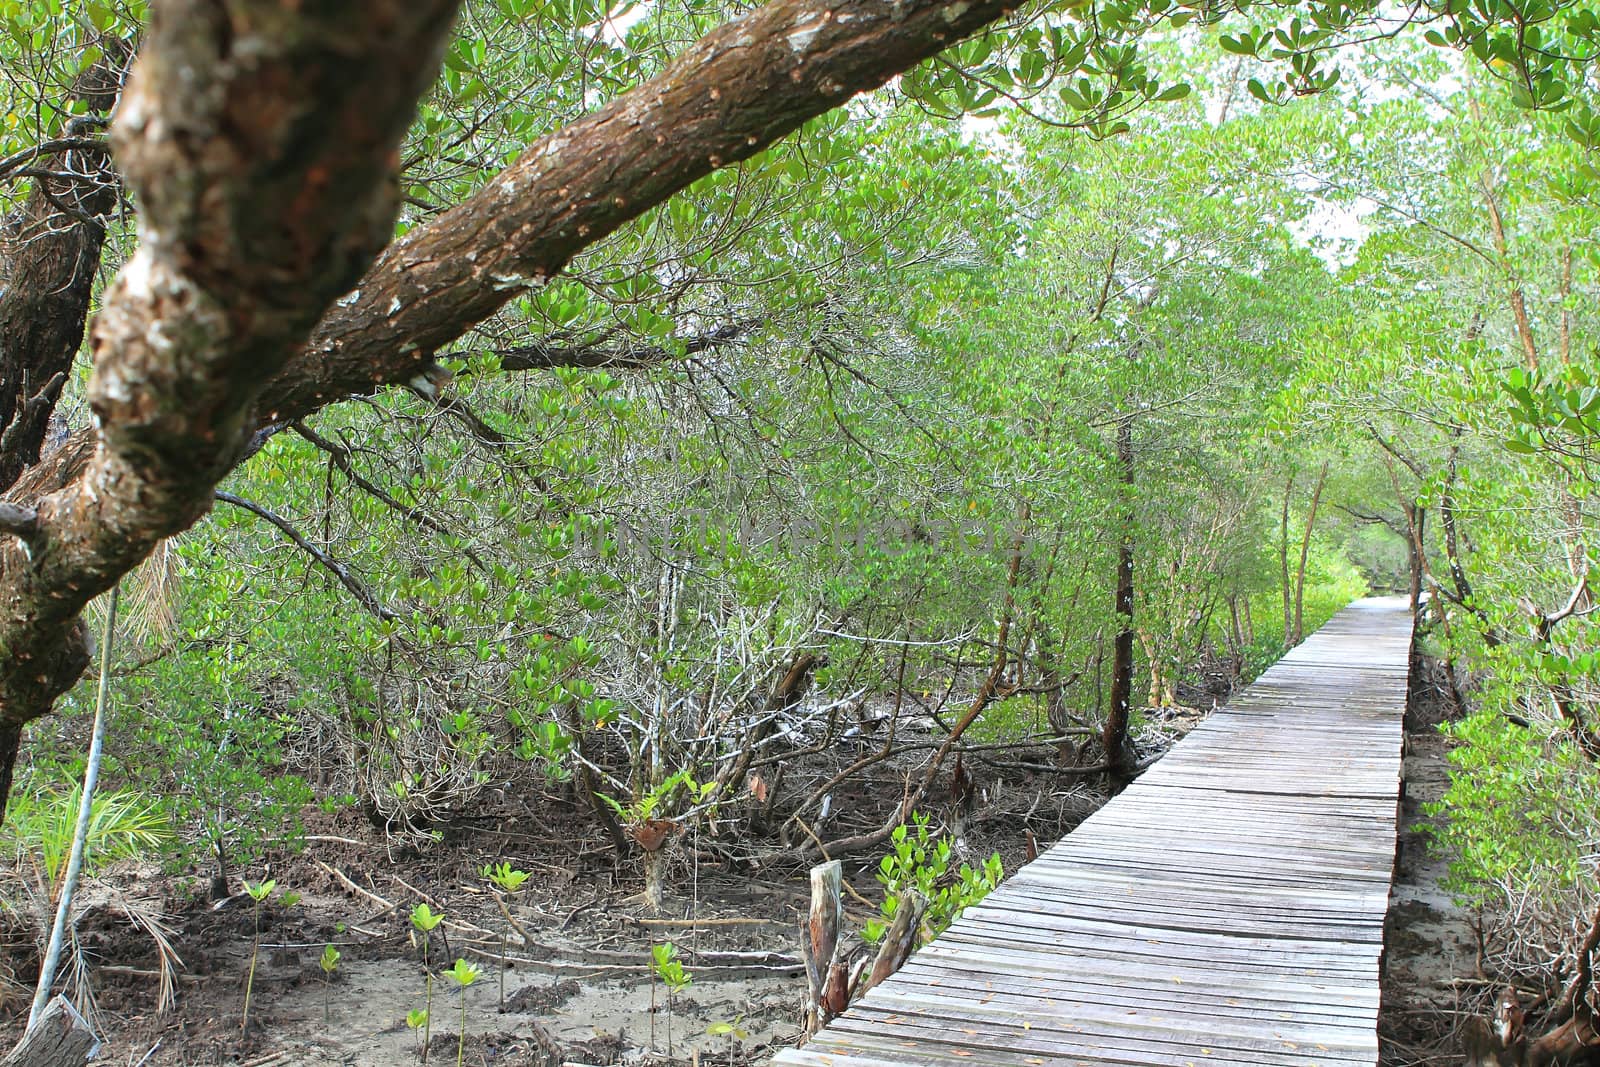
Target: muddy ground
577,982
1430,949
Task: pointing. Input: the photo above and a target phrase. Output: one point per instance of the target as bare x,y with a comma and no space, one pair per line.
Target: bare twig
358,589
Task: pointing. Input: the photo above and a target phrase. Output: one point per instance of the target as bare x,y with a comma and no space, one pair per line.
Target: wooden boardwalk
1227,908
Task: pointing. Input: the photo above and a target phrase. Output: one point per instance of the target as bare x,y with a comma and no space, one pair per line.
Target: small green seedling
505,877
463,974
508,880
425,918
665,965
733,1031
259,892
423,921
329,962
417,1019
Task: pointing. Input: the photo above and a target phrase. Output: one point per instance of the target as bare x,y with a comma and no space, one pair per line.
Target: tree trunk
1416,523
1305,549
899,942
61,1038
1055,708
1283,559
584,781
1452,547
1114,735
826,986
1236,636
1502,1039
51,255
654,860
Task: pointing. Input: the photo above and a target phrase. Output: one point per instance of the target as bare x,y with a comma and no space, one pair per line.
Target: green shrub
1520,822
919,862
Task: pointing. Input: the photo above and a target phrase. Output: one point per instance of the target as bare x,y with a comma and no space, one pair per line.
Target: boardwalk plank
1227,908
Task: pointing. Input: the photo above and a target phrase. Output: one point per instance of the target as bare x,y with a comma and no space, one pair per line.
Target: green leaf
463,973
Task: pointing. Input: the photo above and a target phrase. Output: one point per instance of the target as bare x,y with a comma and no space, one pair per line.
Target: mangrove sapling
665,965
463,974
329,963
417,1019
651,826
507,880
259,892
734,1032
423,921
920,861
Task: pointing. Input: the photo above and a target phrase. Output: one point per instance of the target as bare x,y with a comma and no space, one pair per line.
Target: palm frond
122,824
147,915
148,614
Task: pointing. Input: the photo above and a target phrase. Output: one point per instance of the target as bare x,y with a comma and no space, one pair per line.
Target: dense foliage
1085,350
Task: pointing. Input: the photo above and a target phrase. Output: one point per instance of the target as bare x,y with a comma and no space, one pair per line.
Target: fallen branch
705,922
339,876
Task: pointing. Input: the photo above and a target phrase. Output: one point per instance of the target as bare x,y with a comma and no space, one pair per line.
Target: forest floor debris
578,986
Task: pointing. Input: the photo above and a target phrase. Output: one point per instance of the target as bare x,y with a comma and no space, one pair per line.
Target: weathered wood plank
1228,908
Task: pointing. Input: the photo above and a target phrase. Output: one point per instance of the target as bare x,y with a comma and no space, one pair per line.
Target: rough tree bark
899,942
51,252
260,140
1305,550
1114,736
61,1038
821,943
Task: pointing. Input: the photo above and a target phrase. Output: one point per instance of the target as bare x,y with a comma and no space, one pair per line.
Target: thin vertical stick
80,835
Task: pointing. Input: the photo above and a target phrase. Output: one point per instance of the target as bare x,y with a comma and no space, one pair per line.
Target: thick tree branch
735,92
260,139
727,97
257,135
